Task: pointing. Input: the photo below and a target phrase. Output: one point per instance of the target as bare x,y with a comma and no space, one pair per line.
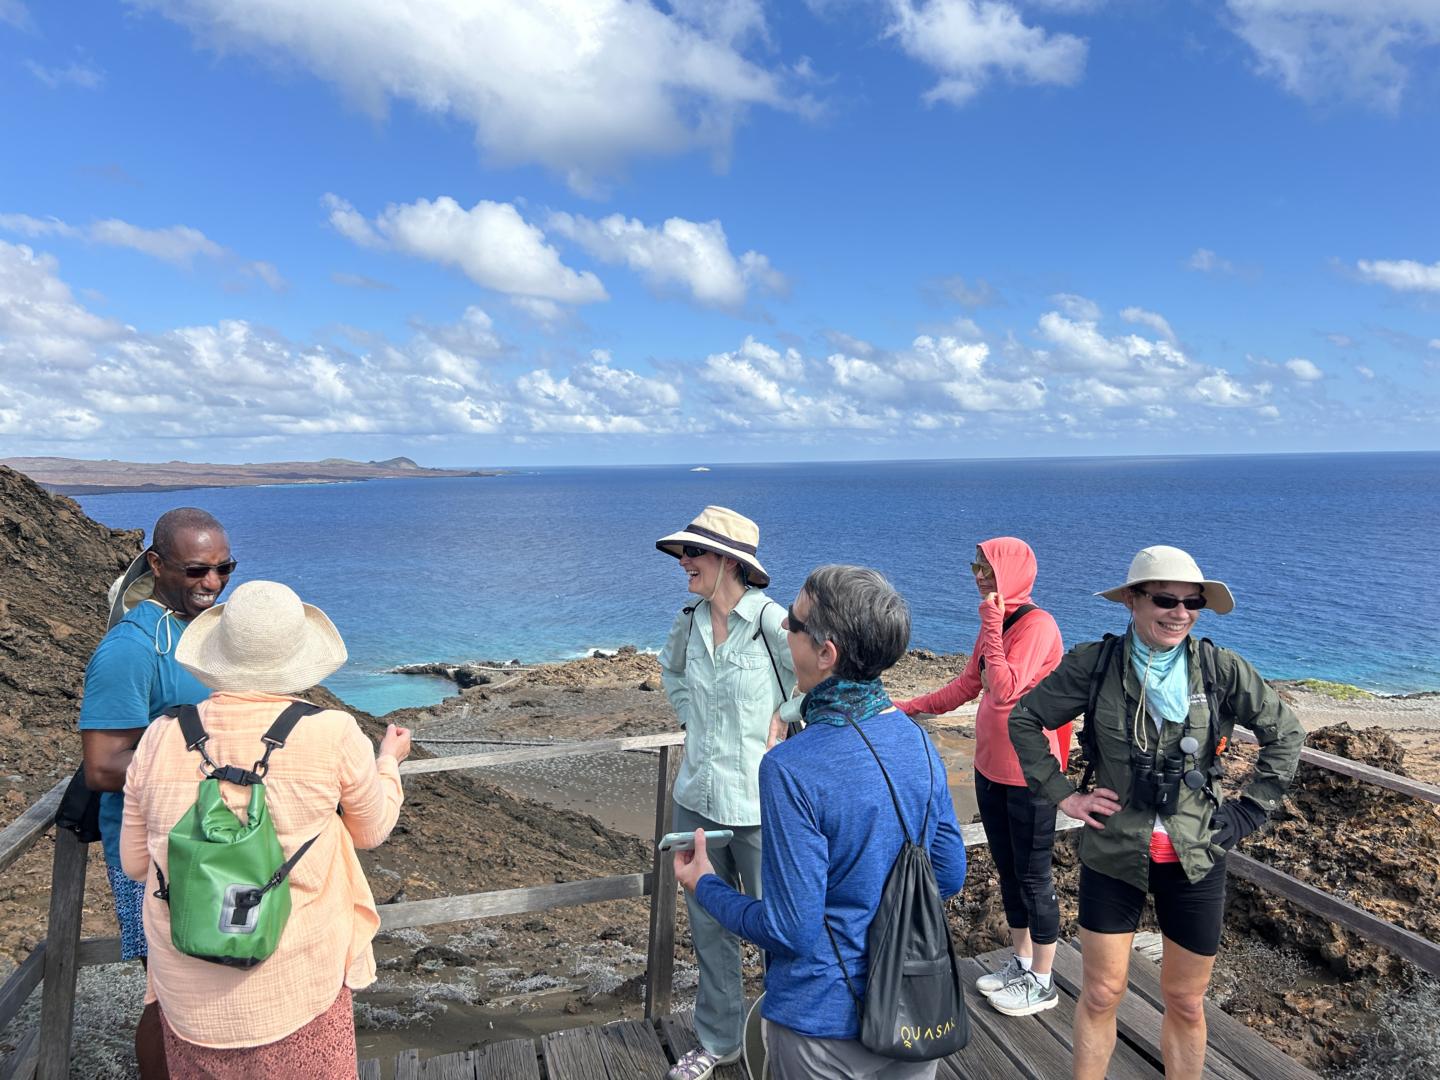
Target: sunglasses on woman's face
1166,601
690,551
792,621
980,569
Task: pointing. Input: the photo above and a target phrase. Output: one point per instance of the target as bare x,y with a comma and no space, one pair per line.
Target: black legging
1020,829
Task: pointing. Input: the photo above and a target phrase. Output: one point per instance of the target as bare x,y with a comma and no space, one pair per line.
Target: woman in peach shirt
291,1015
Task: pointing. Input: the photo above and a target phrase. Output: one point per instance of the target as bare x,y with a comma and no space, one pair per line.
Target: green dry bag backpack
228,891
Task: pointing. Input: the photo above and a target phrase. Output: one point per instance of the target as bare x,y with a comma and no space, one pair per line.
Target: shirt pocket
752,682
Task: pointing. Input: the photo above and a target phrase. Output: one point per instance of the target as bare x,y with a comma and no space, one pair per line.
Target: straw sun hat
264,639
1161,563
724,532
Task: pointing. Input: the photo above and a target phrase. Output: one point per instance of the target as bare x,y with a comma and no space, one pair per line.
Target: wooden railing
54,963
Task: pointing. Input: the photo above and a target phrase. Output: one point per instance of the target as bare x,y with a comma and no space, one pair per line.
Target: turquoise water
1333,558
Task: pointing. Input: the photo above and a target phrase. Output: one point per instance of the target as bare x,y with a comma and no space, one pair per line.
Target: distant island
75,476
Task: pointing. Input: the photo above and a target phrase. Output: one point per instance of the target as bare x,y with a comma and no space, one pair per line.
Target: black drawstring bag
80,809
914,1006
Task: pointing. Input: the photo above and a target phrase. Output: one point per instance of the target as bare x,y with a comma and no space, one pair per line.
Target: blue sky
608,231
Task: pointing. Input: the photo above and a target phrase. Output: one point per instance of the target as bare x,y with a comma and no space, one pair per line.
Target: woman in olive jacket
1157,820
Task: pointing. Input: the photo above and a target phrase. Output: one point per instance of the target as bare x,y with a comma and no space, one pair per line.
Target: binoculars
1154,789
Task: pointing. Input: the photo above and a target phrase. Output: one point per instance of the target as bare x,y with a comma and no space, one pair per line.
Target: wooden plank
678,1032
573,1055
511,1059
16,838
1125,1063
98,950
407,1065
460,1066
1368,773
1138,1020
1235,1040
538,753
1420,951
20,1065
369,1069
632,1051
974,834
982,1059
660,952
447,909
21,984
1031,1049
62,935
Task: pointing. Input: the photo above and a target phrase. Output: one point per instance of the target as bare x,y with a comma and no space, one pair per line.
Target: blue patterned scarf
837,701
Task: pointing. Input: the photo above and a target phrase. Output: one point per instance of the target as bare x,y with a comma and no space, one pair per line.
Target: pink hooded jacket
1014,661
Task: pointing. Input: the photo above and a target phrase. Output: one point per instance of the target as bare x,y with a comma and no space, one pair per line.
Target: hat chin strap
720,578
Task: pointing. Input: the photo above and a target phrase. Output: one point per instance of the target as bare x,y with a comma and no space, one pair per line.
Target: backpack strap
1016,615
1210,677
894,798
760,633
1010,620
1088,742
275,736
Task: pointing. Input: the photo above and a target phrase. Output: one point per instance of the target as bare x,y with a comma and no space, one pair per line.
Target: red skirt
324,1049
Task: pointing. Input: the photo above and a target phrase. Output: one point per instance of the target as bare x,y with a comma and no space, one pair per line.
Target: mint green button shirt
724,698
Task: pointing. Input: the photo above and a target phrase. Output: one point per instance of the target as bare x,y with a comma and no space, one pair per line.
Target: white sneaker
996,981
1025,995
700,1063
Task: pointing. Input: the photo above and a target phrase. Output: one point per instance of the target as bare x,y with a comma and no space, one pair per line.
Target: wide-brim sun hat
724,532
1164,563
262,639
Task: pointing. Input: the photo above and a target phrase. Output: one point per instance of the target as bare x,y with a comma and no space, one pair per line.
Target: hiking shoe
1025,995
700,1063
996,981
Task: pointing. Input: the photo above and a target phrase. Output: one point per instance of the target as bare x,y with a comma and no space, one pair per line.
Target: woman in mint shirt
727,671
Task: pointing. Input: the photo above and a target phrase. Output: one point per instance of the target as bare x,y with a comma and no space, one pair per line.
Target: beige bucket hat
1162,563
264,639
724,532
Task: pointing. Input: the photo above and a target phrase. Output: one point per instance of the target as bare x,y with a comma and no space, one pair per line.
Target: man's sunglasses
793,623
199,570
1166,601
690,551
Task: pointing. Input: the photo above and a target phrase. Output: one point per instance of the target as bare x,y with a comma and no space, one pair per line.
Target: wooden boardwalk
1001,1047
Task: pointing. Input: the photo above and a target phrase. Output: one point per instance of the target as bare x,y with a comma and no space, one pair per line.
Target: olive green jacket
1122,848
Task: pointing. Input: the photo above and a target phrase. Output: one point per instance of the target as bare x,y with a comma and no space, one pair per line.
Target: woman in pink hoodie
1019,644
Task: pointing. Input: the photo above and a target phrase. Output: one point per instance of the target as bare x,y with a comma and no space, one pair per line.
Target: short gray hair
860,611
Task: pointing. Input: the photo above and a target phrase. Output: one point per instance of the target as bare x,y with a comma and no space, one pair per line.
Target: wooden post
660,963
62,944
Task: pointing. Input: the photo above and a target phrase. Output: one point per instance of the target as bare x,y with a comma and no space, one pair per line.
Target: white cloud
78,74
1341,341
968,41
1077,307
695,255
579,86
360,281
179,245
977,295
1220,390
490,243
1365,372
13,13
1402,275
1360,49
1207,262
1304,370
1435,343
40,321
1158,323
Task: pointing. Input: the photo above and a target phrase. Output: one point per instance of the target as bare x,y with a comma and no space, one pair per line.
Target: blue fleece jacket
831,836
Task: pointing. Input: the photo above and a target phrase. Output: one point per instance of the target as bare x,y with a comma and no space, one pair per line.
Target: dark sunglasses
199,570
1166,601
793,623
690,551
980,569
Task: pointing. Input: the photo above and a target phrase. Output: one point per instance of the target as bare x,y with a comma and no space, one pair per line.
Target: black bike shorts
1189,914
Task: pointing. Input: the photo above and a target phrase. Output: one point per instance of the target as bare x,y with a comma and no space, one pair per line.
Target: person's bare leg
1105,975
1184,975
1042,959
1020,941
150,1045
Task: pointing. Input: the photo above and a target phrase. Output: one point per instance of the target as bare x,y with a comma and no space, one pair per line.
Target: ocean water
1334,559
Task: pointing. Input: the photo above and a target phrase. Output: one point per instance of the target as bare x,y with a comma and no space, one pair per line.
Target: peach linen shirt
327,941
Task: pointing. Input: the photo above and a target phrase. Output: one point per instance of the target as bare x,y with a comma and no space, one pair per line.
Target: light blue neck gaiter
1167,682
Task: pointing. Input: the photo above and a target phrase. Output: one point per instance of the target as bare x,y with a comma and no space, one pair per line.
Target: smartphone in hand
685,841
